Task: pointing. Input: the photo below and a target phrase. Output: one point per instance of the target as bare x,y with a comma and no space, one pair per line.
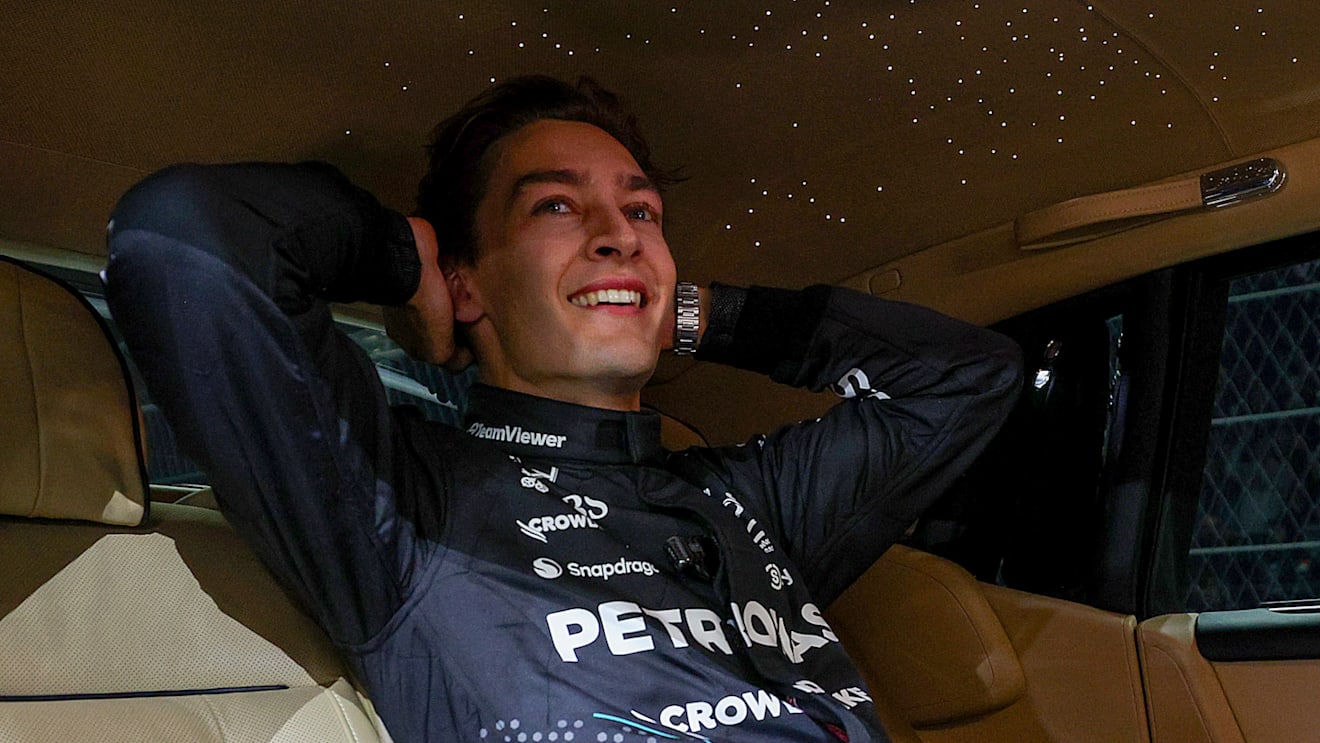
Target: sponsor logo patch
779,577
536,479
549,569
855,383
587,511
849,697
735,709
696,717
623,626
516,435
693,719
759,536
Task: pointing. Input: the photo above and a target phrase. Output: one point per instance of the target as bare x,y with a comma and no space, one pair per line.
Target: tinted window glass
1257,531
441,396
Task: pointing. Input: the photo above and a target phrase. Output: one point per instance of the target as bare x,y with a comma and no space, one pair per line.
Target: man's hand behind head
424,327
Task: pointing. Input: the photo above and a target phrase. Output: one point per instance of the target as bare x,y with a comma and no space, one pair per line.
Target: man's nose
613,236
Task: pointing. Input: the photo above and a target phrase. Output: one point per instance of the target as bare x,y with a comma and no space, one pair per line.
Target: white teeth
607,296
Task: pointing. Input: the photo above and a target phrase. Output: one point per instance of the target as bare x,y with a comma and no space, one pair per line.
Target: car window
1257,532
1165,453
1031,512
441,396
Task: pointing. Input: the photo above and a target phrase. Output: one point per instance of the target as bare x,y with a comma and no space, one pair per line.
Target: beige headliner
97,95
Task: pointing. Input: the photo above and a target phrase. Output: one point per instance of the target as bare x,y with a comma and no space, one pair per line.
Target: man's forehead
569,152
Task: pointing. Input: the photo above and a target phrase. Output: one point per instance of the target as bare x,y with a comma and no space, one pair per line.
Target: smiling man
572,292
548,572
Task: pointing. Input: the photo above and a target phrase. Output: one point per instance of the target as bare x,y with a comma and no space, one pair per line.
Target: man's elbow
164,233
177,202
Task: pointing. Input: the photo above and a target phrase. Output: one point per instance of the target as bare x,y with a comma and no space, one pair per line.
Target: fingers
424,239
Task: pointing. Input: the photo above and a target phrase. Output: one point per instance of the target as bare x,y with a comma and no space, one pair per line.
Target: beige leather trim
224,566
332,715
128,616
299,715
926,640
120,510
378,724
1089,217
1183,698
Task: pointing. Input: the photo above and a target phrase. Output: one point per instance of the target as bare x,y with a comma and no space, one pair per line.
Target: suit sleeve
219,278
924,394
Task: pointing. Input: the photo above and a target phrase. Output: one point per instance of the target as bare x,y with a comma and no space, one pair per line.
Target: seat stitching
343,714
216,718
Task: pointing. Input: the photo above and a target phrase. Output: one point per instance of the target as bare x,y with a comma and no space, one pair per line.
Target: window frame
1136,554
1167,578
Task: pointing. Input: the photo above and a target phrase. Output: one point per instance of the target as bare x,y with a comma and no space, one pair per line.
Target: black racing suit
527,577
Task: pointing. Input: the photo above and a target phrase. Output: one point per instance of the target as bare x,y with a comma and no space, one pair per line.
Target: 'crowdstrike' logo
587,512
547,568
516,435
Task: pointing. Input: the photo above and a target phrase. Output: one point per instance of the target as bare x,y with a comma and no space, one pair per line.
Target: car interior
1130,190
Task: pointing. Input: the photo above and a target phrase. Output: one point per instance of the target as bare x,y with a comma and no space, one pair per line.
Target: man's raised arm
219,277
925,394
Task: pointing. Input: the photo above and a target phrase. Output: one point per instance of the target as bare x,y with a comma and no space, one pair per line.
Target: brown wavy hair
464,148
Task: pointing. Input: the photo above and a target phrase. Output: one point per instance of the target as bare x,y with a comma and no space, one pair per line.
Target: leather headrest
68,444
926,639
675,435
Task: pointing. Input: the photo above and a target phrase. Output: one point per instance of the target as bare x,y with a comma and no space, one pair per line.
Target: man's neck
627,397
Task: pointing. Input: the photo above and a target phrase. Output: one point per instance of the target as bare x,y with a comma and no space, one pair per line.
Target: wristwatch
687,318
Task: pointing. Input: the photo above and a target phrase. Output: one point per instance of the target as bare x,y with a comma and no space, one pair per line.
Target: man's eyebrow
638,183
564,176
628,182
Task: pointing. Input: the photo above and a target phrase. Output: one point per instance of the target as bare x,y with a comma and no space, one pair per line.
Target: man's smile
620,292
608,296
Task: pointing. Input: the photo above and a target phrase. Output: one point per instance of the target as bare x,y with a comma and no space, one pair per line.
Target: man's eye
552,206
641,213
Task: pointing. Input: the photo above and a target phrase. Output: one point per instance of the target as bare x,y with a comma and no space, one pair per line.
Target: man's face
570,293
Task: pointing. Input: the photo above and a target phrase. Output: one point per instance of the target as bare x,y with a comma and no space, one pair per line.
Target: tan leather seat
120,619
957,660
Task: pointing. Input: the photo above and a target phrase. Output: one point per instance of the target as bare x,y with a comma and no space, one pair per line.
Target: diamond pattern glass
1257,530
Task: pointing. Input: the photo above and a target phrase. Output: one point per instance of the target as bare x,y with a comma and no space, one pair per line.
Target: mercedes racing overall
547,572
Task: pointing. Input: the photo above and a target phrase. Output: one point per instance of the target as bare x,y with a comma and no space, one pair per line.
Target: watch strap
687,318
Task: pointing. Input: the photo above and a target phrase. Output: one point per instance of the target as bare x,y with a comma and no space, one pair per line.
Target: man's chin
635,366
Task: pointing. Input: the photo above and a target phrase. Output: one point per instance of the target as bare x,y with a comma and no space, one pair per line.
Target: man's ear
463,293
